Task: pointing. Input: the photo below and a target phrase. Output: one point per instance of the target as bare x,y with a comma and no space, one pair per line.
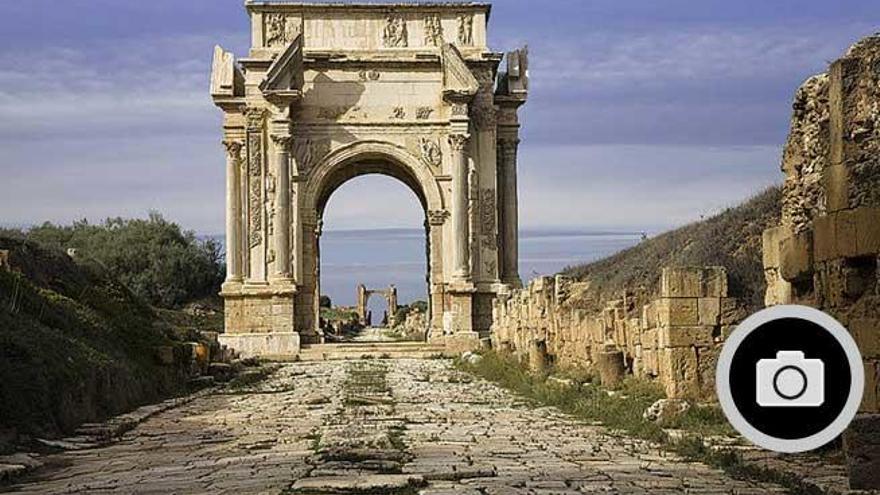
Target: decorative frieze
437,217
487,219
255,186
430,151
433,30
308,152
423,113
279,30
255,118
394,35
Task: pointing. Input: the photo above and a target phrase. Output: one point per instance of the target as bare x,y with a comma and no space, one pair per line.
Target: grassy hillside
75,344
731,239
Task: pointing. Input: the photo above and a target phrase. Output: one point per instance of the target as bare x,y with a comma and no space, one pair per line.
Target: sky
642,114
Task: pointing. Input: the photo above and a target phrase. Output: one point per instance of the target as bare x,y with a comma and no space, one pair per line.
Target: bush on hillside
156,259
76,345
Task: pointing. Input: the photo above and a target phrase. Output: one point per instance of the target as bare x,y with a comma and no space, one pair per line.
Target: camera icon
790,380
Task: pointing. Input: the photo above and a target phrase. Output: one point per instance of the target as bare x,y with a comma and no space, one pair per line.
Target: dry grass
731,239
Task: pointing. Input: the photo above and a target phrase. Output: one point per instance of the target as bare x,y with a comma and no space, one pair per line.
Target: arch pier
329,92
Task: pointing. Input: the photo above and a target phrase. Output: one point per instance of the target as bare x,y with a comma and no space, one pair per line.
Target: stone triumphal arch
329,92
363,301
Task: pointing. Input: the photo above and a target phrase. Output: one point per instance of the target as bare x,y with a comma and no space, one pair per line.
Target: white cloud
645,59
637,186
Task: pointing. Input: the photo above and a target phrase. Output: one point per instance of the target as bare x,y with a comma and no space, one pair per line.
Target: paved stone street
372,426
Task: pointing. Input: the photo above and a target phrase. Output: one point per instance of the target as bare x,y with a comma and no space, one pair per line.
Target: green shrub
156,259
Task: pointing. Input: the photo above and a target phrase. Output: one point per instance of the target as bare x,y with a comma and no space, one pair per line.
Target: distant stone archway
325,95
363,300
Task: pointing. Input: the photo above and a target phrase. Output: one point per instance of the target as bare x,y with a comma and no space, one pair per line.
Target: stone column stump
611,367
538,357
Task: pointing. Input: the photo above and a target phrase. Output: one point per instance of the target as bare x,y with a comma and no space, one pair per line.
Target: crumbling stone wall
825,251
674,339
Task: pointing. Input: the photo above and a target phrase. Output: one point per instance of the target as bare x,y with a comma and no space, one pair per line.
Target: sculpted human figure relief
278,31
433,30
394,35
466,29
431,153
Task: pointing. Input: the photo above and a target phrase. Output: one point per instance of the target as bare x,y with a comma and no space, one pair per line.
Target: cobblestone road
372,426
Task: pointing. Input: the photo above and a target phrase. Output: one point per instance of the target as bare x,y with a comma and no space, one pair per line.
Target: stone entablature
364,27
676,338
329,92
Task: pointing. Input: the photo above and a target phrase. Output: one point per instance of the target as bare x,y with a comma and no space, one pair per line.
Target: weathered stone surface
611,367
445,120
305,427
861,442
685,336
678,311
709,310
796,256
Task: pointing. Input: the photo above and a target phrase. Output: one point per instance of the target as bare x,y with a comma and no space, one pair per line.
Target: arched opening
348,164
373,247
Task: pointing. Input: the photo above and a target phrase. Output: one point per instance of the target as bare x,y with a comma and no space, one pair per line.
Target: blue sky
643,114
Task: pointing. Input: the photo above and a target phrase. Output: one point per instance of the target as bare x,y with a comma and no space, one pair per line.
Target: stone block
707,363
680,336
610,364
866,332
796,256
681,282
824,241
649,339
677,369
538,358
872,380
771,240
731,312
714,281
677,311
280,344
649,316
835,181
867,220
861,444
709,309
845,234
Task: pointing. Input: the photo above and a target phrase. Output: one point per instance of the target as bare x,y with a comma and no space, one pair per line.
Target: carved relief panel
279,29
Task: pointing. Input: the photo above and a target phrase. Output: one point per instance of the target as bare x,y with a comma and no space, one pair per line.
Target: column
460,255
509,208
281,166
233,211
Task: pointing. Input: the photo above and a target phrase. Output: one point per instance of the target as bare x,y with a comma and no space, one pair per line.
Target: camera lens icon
790,380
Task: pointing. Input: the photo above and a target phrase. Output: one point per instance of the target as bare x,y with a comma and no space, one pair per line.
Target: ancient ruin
363,300
329,92
825,252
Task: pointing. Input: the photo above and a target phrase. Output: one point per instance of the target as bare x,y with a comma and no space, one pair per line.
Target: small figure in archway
385,319
369,318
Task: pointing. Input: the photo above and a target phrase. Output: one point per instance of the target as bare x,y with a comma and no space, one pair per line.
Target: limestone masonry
329,92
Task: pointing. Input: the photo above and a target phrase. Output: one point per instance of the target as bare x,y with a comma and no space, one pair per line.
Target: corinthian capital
458,141
233,148
282,140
